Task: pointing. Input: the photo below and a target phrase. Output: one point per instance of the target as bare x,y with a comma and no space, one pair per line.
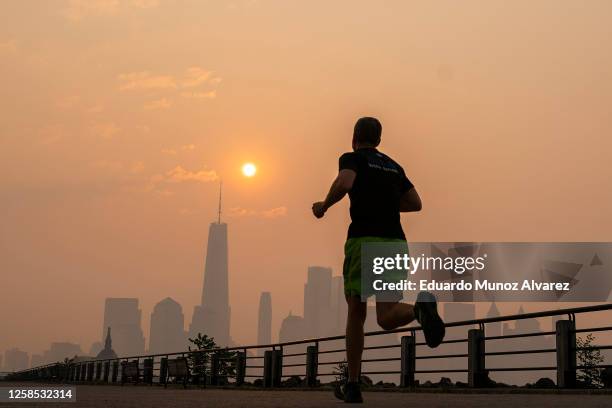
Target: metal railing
234,365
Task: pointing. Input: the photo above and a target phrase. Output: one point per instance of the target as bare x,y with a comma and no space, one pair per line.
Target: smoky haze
119,118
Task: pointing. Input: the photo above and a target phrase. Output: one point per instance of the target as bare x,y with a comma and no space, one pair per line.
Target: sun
249,169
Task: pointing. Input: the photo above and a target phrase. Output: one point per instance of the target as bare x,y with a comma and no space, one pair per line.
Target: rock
445,382
258,382
427,384
293,381
544,383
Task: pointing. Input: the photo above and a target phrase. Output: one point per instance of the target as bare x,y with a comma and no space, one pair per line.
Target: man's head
366,133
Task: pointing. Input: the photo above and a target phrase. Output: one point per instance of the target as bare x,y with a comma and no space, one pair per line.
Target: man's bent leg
391,315
357,311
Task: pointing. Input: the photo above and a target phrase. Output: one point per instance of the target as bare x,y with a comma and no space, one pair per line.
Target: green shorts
351,269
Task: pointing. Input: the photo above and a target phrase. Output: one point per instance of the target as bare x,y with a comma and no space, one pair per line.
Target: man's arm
341,185
410,201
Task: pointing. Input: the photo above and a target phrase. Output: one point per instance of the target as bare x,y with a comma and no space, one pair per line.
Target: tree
341,372
200,358
588,358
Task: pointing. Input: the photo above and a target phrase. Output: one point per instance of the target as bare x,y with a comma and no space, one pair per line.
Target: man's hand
341,185
318,209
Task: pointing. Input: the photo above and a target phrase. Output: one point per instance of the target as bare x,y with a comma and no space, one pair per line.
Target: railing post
477,373
240,367
267,370
312,365
163,370
123,375
147,374
408,359
83,372
98,370
106,371
277,368
90,372
566,353
214,369
115,372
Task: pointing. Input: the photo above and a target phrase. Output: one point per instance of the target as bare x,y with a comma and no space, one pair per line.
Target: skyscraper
318,318
15,360
212,317
167,328
123,316
338,305
264,324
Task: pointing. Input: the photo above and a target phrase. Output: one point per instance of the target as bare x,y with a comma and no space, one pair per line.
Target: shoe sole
433,327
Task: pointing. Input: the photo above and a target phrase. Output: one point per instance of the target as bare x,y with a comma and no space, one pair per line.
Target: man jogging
378,190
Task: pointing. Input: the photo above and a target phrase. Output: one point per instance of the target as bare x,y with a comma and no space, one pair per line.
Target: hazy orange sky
118,116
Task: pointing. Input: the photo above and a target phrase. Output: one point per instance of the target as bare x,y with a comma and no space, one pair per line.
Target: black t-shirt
375,195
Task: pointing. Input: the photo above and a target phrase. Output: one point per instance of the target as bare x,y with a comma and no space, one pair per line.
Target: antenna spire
220,190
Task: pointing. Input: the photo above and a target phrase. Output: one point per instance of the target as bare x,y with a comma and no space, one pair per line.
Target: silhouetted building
318,318
493,329
212,317
15,360
338,305
167,328
59,351
123,316
107,352
264,322
292,328
36,360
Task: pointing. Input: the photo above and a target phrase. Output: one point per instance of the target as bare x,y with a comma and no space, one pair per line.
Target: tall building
37,360
123,316
167,328
338,305
318,318
493,329
212,316
15,360
264,323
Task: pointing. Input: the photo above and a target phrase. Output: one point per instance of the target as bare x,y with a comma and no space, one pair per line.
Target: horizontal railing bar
522,369
294,365
445,342
441,371
331,362
593,329
295,354
516,336
440,356
609,347
534,351
371,360
332,351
